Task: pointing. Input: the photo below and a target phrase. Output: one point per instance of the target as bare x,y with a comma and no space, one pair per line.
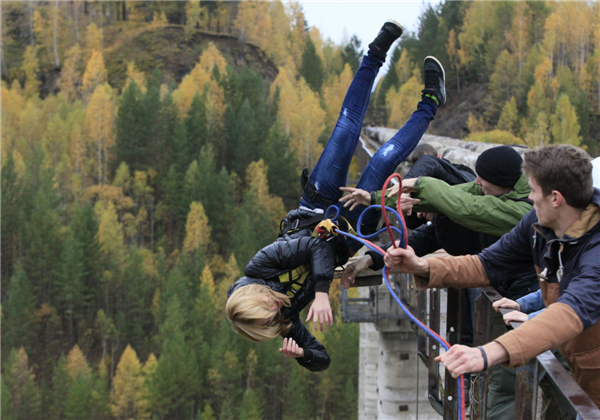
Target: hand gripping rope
403,234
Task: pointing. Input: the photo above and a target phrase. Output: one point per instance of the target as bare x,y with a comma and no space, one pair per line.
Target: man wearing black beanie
499,166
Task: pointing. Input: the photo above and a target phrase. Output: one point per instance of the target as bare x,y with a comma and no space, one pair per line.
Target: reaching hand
356,197
291,350
351,270
507,304
461,359
515,316
406,260
321,310
408,185
407,203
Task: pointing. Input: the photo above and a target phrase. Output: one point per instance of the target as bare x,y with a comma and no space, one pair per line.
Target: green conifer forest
150,149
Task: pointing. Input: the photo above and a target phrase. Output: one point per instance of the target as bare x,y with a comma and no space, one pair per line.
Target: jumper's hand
506,304
320,311
356,197
515,316
291,350
351,270
461,359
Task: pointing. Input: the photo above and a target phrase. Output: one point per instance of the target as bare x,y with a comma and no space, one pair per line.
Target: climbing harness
403,242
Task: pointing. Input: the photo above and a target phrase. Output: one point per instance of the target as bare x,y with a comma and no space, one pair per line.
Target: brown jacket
570,321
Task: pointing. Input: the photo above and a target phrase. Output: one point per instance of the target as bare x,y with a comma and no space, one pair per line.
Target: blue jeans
331,170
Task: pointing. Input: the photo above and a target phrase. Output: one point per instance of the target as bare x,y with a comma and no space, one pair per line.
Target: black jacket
281,257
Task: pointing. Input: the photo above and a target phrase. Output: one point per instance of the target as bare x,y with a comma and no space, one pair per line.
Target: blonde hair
246,306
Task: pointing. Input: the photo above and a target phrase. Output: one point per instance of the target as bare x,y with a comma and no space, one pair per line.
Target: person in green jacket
492,205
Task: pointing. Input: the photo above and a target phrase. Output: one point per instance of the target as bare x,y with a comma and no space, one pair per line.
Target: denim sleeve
533,314
532,302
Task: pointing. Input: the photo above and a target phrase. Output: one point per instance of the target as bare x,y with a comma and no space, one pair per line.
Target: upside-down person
284,277
560,237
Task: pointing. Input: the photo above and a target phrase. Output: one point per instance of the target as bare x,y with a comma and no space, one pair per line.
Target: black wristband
485,361
373,197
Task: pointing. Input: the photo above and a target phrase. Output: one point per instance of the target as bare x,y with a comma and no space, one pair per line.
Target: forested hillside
517,72
150,148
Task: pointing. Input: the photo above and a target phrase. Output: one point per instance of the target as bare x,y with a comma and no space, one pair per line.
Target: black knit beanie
500,166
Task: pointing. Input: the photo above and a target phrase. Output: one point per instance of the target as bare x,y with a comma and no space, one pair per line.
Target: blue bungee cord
403,242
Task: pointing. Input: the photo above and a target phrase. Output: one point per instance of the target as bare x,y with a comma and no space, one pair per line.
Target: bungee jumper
284,277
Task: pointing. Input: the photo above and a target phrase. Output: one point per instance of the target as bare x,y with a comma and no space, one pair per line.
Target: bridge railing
426,305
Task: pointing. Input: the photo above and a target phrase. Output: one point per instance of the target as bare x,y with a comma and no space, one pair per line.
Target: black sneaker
390,31
435,79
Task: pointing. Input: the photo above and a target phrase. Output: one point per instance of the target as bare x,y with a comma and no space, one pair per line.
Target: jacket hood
521,189
244,281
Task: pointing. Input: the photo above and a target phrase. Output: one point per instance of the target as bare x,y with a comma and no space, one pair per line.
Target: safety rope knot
326,229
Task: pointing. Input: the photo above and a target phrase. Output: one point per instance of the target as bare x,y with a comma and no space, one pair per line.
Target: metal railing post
453,337
481,336
527,391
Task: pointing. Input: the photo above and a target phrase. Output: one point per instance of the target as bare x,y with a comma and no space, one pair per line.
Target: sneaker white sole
439,64
397,24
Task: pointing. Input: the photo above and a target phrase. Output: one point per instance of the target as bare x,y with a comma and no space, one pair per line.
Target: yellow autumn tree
278,46
334,93
538,134
128,399
197,230
12,105
110,232
503,82
94,75
297,105
70,79
93,40
509,117
207,281
99,120
401,102
31,68
565,127
159,19
475,125
197,79
77,364
134,74
405,68
231,274
256,176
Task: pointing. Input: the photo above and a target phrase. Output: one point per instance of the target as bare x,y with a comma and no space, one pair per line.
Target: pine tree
176,378
12,216
250,409
18,312
312,66
195,124
282,168
84,228
70,282
351,54
61,381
